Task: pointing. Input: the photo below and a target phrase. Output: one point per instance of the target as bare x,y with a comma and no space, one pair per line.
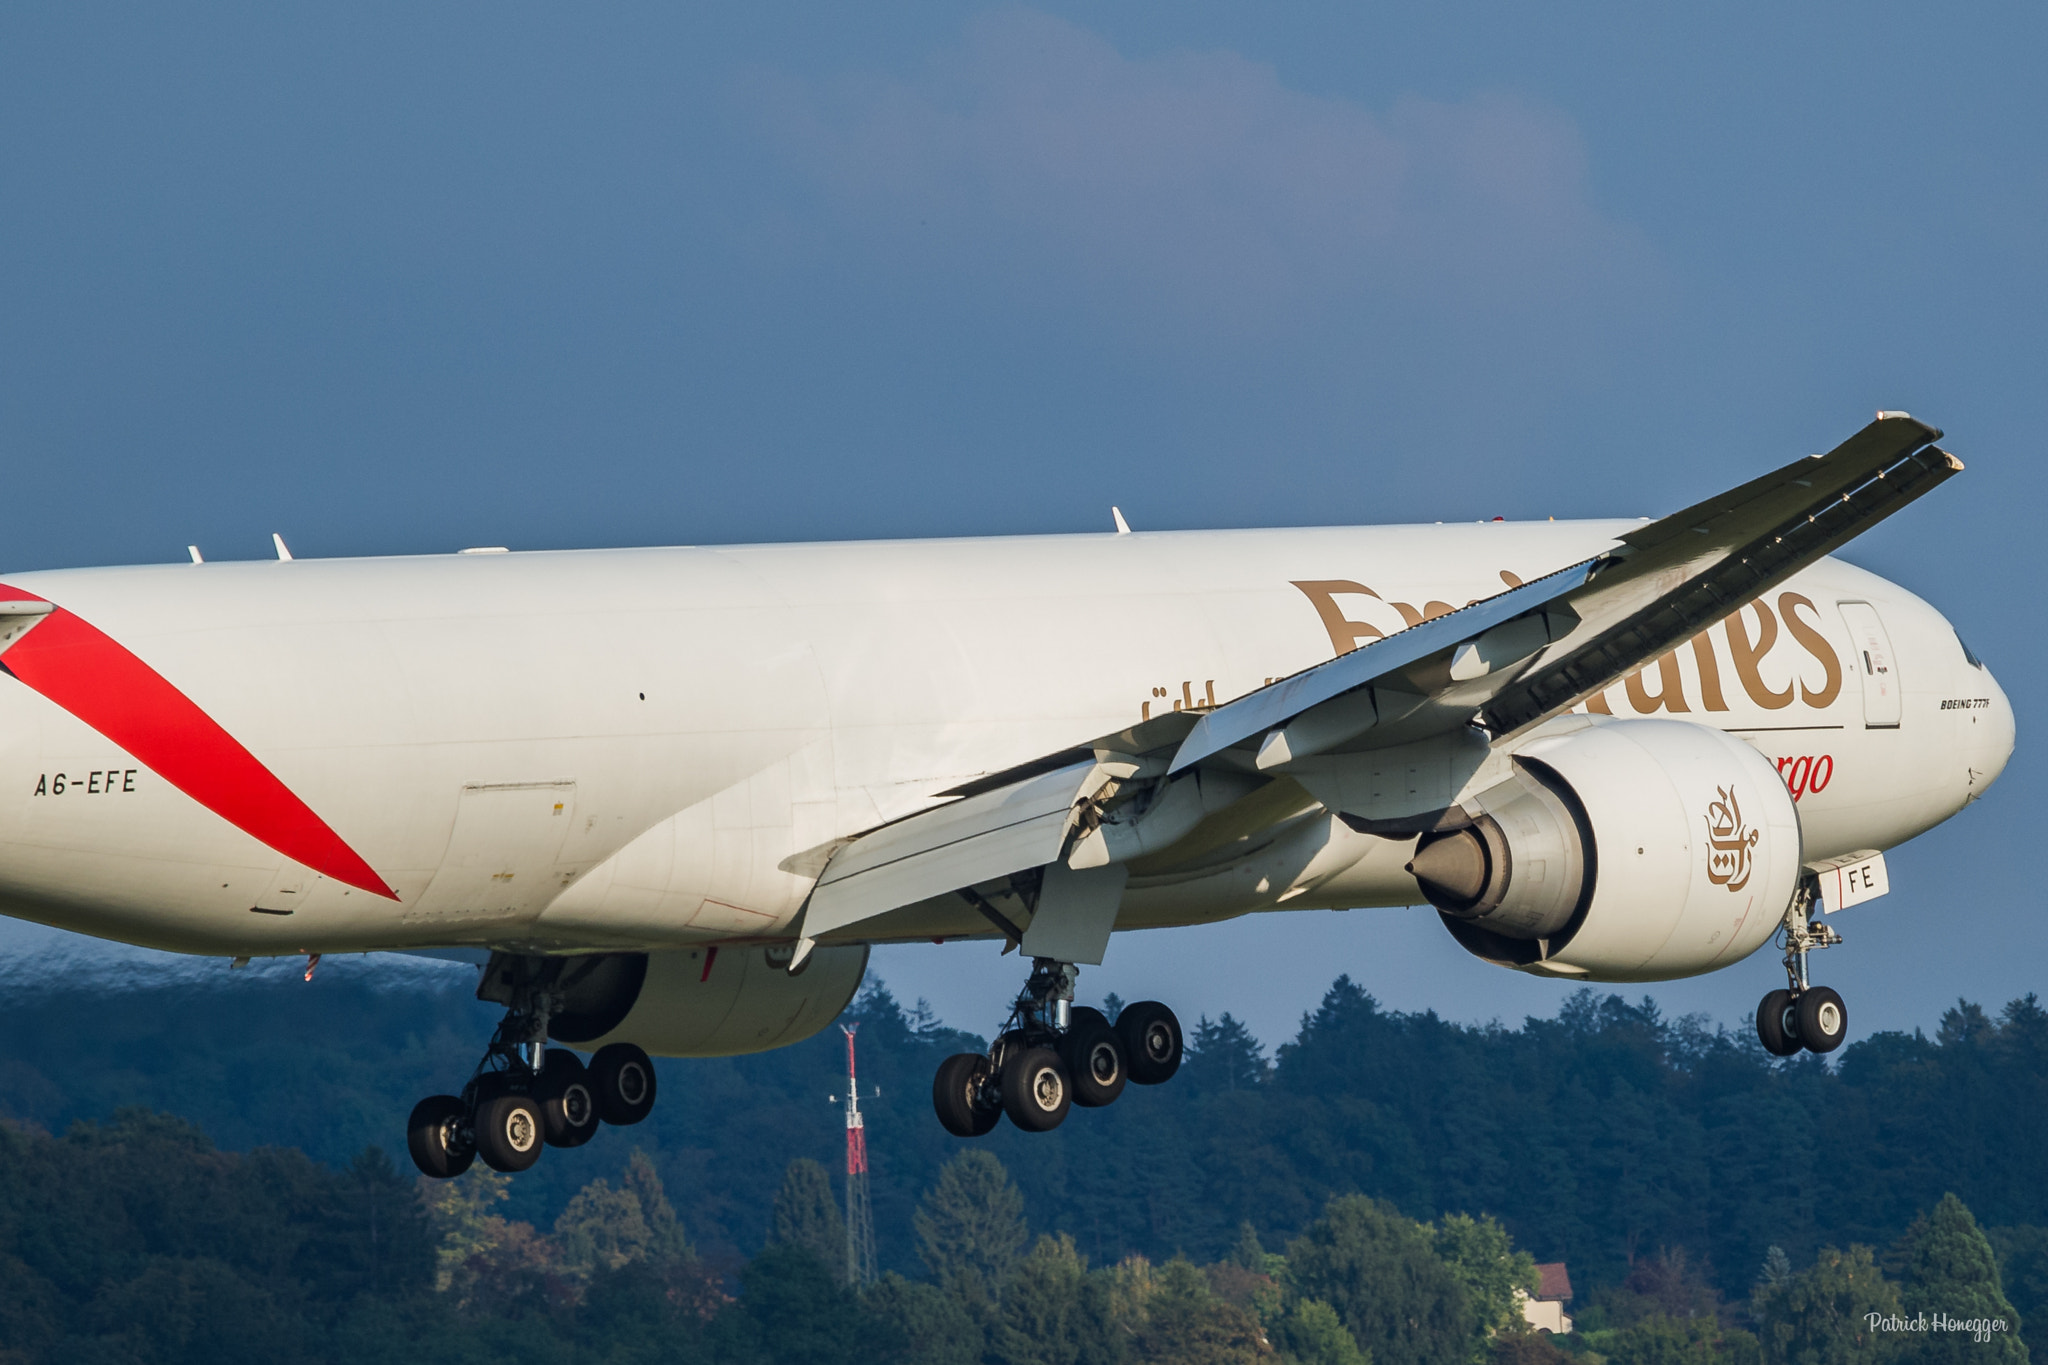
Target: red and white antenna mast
860,1218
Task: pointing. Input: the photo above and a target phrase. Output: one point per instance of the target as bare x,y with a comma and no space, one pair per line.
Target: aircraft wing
1048,831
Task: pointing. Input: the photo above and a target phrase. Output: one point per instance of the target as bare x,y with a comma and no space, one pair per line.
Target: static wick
312,962
193,550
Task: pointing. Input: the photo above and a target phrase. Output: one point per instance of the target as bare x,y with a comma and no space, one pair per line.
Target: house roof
1556,1282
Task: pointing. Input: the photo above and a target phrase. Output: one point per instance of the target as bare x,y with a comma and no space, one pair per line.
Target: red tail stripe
95,678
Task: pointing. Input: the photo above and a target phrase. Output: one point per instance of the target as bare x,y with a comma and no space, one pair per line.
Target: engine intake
1633,850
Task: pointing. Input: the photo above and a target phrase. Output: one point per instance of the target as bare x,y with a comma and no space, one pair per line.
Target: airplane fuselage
659,748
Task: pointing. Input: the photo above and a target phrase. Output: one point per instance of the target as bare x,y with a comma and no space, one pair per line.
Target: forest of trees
1374,1189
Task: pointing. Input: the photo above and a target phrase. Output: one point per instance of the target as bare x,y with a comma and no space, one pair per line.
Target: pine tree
807,1216
2023,1271
1950,1276
970,1226
1822,1316
665,1240
1223,1055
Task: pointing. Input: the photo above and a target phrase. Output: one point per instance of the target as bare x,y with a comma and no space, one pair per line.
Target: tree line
1607,1136
138,1240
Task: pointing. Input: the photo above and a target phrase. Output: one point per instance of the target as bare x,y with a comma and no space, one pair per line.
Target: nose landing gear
1052,1055
1803,1015
525,1096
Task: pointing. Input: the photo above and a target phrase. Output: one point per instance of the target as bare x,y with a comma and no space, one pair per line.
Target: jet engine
1636,850
703,1002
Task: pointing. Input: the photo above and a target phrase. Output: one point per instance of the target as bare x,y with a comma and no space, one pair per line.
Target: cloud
1199,178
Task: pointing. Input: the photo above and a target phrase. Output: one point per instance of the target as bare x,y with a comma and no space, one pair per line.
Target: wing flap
975,839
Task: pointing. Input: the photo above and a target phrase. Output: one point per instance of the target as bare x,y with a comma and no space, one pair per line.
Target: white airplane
669,797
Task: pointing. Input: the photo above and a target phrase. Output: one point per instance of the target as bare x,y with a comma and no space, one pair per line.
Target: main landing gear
525,1095
1802,1015
1052,1055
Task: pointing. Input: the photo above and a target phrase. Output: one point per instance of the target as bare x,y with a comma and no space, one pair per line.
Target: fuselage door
500,866
1875,664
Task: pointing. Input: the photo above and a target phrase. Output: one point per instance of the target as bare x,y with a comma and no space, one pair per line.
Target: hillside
1598,1137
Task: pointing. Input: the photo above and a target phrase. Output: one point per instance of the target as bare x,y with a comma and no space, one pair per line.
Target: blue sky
405,278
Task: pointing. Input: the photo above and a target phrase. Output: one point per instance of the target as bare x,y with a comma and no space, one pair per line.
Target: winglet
1123,528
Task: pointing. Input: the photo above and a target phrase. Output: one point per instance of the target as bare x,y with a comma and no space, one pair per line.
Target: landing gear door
1875,665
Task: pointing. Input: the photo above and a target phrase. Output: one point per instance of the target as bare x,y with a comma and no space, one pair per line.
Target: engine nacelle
692,1004
1637,850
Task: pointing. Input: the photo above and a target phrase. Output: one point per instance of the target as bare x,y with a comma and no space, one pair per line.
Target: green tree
1660,1339
806,1215
921,1324
1052,1313
1524,1345
665,1240
970,1226
1382,1275
793,1310
601,1228
2023,1270
1311,1333
1822,1315
1185,1324
1950,1275
1494,1275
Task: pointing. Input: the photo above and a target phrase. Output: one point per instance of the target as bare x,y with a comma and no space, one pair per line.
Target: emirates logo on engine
1730,841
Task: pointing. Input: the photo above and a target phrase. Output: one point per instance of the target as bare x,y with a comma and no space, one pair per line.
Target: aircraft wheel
1823,1019
436,1137
509,1132
1095,1059
568,1106
1037,1092
1777,1024
957,1096
622,1078
1152,1042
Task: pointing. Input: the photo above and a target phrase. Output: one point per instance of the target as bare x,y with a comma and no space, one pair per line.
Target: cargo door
502,853
1875,665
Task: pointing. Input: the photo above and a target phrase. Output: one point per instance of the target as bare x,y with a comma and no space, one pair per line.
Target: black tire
509,1132
1095,1058
1037,1092
438,1137
1823,1019
568,1104
622,1078
1151,1041
957,1096
1777,1027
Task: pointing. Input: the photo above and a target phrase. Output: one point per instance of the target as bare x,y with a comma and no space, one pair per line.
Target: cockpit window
1968,653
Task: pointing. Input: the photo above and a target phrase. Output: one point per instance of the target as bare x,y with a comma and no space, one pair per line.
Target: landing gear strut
1803,1015
1052,1055
524,1095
